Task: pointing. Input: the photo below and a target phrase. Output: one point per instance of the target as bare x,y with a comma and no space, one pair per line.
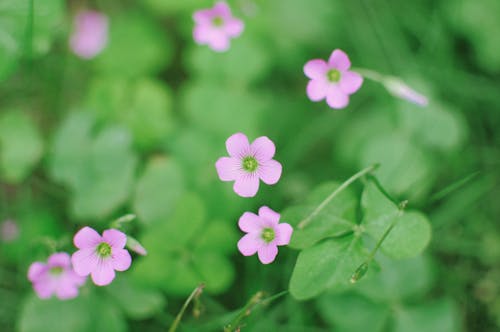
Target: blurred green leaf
21,146
99,168
434,316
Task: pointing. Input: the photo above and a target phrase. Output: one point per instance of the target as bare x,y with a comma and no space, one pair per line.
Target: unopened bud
399,89
136,246
359,273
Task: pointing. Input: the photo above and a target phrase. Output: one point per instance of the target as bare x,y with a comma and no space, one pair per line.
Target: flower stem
327,200
196,293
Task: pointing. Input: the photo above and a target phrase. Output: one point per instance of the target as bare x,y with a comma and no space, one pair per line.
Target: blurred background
138,128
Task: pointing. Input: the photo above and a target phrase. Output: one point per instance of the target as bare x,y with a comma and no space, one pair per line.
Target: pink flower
100,256
247,163
216,26
90,34
264,234
9,231
56,277
332,80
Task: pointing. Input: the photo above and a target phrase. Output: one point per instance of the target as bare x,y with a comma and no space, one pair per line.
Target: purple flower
100,256
90,34
332,80
216,26
56,277
247,163
264,234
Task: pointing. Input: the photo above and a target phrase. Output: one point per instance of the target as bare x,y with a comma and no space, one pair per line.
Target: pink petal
221,9
202,34
246,185
66,288
203,16
267,253
249,244
270,172
249,222
61,259
121,260
237,145
84,261
115,238
36,270
263,149
339,60
219,42
284,233
317,89
44,289
86,238
336,98
269,215
228,168
350,82
316,69
104,273
233,27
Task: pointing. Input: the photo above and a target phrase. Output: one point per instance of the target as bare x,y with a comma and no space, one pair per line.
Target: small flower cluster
98,256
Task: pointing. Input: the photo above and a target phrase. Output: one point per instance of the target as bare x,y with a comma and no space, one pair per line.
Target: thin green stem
327,200
370,74
452,187
196,292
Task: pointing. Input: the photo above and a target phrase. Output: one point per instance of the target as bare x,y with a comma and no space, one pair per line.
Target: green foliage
21,146
97,167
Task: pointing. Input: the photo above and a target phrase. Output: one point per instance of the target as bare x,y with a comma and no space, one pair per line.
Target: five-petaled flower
100,256
90,34
248,163
56,277
216,26
264,234
332,80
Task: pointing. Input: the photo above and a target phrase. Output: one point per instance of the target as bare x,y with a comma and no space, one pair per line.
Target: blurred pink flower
264,234
100,256
216,26
9,231
56,277
248,163
332,80
90,34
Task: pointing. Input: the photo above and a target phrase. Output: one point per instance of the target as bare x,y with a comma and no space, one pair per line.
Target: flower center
268,234
103,250
56,270
218,21
333,75
249,164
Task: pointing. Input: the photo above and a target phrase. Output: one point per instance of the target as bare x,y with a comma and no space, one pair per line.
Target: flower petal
267,253
203,16
339,60
44,289
221,8
219,42
269,215
263,149
284,233
336,98
316,89
246,185
249,244
36,270
350,82
250,222
270,172
61,259
84,261
233,27
86,238
115,238
237,145
316,69
121,260
228,168
66,288
104,273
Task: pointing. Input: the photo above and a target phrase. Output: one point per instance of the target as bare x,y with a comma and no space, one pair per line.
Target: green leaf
158,190
411,233
351,312
215,270
335,219
99,169
327,265
151,47
21,146
437,316
137,302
